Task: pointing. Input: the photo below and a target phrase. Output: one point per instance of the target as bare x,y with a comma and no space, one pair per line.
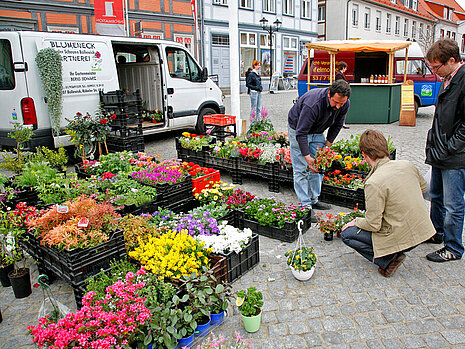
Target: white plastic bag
427,177
55,309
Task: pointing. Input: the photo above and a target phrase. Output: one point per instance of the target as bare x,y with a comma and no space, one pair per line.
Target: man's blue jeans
307,185
447,206
255,104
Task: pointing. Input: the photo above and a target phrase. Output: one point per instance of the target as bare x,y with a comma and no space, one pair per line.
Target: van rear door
13,87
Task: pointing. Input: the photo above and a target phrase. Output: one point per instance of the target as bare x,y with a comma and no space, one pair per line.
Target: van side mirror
204,74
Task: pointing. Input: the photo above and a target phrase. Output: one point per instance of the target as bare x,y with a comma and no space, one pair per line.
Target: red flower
36,285
113,117
103,121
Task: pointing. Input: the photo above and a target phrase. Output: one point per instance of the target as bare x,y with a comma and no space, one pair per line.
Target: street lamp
270,29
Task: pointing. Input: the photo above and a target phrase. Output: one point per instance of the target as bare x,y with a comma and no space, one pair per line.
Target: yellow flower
347,158
215,197
186,134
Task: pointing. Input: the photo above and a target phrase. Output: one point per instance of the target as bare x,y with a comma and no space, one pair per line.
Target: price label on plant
83,222
62,209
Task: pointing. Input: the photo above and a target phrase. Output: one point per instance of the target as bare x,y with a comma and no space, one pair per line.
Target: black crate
282,175
226,164
119,144
219,268
234,218
119,98
343,196
289,233
23,194
126,120
124,110
75,266
255,169
125,132
80,172
240,263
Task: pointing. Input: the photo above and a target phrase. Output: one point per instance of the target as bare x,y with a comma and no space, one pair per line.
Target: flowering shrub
172,254
259,138
268,153
250,153
338,179
226,150
159,173
229,239
274,213
324,158
302,259
193,141
238,198
220,342
283,155
215,192
68,231
335,223
198,224
109,323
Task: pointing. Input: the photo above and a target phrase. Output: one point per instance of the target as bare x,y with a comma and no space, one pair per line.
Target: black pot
4,271
328,236
21,283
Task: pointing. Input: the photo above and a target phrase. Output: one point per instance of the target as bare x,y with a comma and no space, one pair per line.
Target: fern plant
50,67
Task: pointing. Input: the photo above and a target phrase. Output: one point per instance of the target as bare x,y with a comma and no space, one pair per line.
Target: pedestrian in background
396,218
318,110
445,151
254,84
341,70
246,75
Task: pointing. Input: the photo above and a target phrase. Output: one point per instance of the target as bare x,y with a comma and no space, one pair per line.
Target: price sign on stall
407,105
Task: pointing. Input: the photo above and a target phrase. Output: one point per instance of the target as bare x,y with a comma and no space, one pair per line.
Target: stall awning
335,46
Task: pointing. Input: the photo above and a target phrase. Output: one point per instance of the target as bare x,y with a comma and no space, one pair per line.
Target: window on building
394,1
288,7
420,31
441,33
220,39
367,18
289,59
453,36
428,31
414,27
181,65
378,21
388,23
220,2
248,51
186,40
415,5
246,4
463,42
444,12
450,14
307,9
355,15
397,29
269,6
7,75
265,55
448,34
407,3
321,13
406,27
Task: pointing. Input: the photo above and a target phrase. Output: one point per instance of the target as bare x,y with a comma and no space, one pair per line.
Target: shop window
248,51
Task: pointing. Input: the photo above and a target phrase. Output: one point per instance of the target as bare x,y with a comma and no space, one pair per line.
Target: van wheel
416,108
200,127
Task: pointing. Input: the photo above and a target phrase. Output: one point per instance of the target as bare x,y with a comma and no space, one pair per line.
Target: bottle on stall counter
376,79
372,79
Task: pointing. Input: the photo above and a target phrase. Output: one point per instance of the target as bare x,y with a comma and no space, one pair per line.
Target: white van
166,74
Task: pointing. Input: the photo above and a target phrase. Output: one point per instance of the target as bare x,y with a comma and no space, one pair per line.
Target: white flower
229,239
269,152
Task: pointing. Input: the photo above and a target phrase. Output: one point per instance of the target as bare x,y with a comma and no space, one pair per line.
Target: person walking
246,75
342,67
254,84
396,218
445,152
316,111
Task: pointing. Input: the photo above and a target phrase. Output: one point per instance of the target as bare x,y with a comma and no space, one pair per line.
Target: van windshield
7,75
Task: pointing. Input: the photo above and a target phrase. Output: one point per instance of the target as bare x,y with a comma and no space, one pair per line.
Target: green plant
56,158
35,173
63,187
21,135
49,62
220,297
214,210
302,259
194,142
249,302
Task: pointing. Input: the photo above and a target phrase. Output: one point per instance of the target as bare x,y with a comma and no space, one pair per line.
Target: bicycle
290,82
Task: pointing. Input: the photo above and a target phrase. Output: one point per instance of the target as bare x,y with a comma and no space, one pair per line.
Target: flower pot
216,319
328,236
21,283
202,329
302,275
186,342
4,271
252,323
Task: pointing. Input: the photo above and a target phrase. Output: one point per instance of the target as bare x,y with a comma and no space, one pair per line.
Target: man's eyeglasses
436,67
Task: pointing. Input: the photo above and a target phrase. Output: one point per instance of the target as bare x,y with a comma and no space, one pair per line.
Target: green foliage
350,146
194,142
63,187
56,158
50,66
126,191
35,173
302,259
157,291
21,135
257,127
252,301
114,163
216,210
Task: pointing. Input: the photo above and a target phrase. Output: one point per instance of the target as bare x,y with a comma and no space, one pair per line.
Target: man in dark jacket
445,152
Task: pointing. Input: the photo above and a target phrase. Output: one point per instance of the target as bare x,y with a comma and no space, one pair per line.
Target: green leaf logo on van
426,90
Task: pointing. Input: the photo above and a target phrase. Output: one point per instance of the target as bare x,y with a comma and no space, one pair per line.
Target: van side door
13,87
185,88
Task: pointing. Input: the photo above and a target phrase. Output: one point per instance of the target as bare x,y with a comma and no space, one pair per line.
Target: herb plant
250,302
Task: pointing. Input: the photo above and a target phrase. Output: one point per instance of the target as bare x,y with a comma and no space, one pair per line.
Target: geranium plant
302,259
249,301
338,179
283,155
323,159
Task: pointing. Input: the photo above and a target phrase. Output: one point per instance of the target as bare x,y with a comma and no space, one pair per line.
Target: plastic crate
289,233
255,169
219,120
124,110
234,218
126,131
75,266
219,268
126,120
119,97
200,183
80,172
343,196
226,164
240,263
23,194
119,144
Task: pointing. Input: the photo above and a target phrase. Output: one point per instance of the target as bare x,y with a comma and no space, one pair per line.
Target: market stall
373,100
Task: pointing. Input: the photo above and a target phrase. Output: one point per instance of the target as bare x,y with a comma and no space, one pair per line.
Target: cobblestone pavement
346,304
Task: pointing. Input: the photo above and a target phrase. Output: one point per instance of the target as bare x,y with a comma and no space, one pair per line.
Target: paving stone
454,337
332,338
297,327
277,330
434,341
312,340
412,342
392,343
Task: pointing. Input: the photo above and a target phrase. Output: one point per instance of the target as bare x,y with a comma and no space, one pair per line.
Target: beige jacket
396,213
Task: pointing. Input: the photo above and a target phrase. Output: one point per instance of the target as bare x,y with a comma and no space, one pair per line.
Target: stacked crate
126,126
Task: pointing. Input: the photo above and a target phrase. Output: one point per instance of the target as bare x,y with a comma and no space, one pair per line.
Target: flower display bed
240,263
289,233
343,196
27,195
191,155
173,193
118,144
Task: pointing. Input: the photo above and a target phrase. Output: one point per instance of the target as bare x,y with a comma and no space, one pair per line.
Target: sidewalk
346,304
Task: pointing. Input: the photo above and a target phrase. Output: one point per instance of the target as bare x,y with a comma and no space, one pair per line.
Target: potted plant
327,226
187,323
250,303
302,262
219,303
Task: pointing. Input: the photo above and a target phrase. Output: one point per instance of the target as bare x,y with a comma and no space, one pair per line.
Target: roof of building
436,9
422,12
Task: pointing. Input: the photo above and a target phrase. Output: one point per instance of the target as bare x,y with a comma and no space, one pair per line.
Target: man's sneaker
320,206
435,239
313,218
392,267
441,255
